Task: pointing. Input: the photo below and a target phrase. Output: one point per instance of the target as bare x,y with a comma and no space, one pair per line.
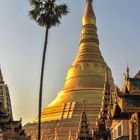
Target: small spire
1,77
89,16
106,101
89,35
127,72
83,130
126,81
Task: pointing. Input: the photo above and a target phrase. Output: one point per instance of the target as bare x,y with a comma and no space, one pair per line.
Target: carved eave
127,101
125,106
134,85
131,103
117,113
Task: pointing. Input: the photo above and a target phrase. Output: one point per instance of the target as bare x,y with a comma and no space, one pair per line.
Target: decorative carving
89,34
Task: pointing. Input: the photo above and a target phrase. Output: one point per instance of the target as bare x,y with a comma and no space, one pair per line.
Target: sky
21,44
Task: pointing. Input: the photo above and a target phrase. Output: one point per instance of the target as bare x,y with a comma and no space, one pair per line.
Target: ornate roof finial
126,78
1,77
127,72
125,88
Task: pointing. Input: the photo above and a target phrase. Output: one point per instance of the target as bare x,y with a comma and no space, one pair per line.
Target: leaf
47,12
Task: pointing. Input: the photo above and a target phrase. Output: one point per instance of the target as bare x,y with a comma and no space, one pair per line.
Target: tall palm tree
46,13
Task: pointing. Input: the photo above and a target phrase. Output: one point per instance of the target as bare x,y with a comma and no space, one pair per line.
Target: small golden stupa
84,81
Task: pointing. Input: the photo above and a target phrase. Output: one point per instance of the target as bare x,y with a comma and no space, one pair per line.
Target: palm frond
62,9
34,2
47,12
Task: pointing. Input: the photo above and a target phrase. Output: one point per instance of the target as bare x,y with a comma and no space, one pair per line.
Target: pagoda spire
125,88
105,101
1,77
106,97
83,130
104,117
89,16
89,30
127,72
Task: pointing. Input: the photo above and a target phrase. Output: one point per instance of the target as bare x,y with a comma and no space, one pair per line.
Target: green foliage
47,12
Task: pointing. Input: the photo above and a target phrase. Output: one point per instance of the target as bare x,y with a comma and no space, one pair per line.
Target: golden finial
89,35
127,71
126,74
89,16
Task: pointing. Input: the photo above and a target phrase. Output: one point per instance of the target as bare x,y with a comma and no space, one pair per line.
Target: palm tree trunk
41,83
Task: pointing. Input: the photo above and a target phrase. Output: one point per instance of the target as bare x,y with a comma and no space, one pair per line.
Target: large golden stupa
84,81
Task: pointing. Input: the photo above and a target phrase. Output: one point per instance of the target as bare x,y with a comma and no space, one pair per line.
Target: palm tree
46,13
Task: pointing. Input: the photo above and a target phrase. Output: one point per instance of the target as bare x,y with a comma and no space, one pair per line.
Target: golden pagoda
84,81
86,76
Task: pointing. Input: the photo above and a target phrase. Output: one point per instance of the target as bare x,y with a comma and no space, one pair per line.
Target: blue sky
21,43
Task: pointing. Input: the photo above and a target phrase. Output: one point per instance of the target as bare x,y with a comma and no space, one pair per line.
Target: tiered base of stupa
63,118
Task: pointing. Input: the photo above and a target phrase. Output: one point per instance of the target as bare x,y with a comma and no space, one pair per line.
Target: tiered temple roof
9,129
128,99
